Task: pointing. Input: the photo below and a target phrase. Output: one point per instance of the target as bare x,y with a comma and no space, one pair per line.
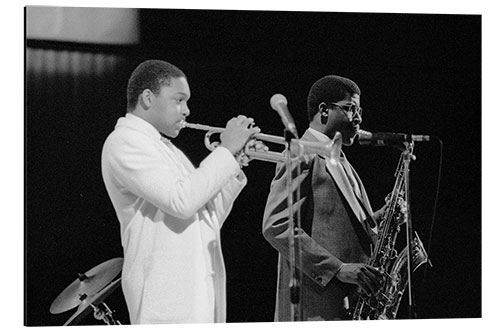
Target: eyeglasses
350,108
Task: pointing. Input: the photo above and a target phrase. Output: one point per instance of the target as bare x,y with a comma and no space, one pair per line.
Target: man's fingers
374,280
365,286
372,271
254,130
369,285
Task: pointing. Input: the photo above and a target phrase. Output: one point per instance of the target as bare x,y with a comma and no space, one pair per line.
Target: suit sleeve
223,201
317,263
137,165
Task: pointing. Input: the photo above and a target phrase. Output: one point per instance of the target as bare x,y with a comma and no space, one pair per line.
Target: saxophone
394,266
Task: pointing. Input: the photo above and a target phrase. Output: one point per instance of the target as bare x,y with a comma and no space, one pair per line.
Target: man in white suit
170,212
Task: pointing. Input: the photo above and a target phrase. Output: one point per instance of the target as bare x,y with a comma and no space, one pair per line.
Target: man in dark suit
338,226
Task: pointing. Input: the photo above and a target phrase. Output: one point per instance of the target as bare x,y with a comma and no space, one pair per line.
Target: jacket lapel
335,170
345,187
364,196
184,168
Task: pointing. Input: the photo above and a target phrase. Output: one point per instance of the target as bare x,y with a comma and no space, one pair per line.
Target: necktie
348,185
366,217
350,177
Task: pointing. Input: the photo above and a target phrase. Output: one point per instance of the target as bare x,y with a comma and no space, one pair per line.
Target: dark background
419,73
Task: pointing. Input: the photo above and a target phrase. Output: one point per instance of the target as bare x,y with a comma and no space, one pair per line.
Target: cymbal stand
105,314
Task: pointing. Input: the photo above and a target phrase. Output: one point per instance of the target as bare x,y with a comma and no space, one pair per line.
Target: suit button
316,277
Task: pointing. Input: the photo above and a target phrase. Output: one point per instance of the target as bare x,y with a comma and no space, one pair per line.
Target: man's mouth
353,129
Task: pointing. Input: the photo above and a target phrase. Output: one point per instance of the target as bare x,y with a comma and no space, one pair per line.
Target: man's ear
146,99
323,113
322,107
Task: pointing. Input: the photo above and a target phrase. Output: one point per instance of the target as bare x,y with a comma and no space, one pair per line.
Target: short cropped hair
150,74
330,88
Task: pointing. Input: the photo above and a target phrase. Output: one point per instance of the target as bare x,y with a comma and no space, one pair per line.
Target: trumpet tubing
297,147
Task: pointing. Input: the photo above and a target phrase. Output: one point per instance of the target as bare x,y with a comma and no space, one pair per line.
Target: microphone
388,139
279,104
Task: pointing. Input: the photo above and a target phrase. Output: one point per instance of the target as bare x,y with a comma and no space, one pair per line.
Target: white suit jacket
170,218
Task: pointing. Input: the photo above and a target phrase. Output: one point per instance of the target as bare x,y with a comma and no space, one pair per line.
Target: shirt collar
132,121
323,138
318,135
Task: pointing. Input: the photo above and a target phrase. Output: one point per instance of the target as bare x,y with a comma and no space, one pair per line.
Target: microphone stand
407,157
294,243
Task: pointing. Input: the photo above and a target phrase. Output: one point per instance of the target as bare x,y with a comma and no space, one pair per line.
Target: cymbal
86,285
84,309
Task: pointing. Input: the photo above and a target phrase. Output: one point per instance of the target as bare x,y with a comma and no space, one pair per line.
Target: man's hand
368,278
253,146
237,133
399,212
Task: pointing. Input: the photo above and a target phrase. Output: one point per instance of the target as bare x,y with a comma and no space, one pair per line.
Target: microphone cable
434,209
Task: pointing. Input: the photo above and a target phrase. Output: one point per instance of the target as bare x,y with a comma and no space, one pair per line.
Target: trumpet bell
298,148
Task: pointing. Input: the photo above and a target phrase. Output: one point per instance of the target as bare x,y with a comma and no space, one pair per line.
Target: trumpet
298,148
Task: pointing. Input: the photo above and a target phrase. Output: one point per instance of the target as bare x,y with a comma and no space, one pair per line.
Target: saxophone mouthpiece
364,135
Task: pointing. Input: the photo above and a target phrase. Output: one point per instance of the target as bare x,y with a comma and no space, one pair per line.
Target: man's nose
356,118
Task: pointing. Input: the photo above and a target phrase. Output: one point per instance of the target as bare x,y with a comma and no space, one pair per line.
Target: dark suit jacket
330,235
